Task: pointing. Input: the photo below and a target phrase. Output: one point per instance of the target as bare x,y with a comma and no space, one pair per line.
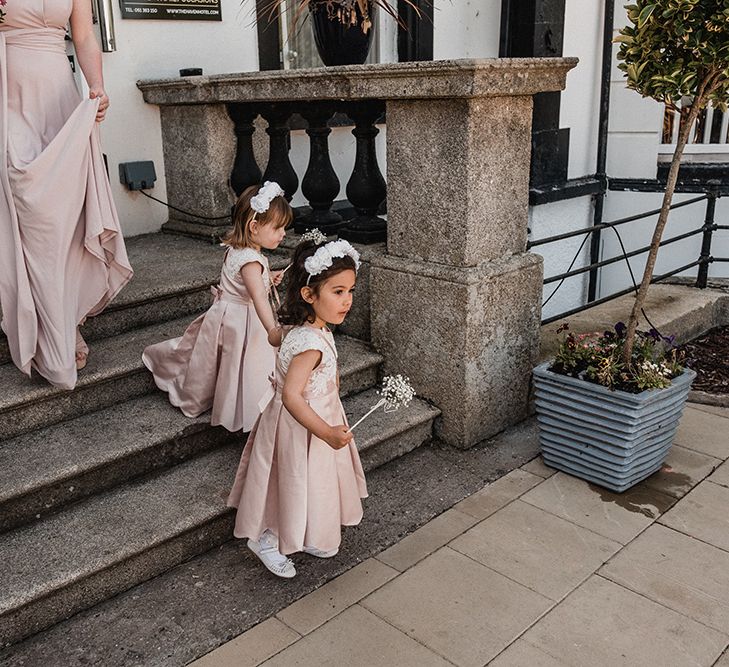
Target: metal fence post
702,275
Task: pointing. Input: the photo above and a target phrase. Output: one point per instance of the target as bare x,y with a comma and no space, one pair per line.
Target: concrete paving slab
619,517
723,661
252,647
356,638
721,475
537,467
704,432
720,410
602,624
424,541
703,514
539,550
458,608
682,471
495,496
326,602
523,654
663,565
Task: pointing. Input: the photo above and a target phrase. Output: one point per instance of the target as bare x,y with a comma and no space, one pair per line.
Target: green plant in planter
673,51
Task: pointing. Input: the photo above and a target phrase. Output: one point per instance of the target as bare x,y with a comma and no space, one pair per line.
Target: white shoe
267,551
313,551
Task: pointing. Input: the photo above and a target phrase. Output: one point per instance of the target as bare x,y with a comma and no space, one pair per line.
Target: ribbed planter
612,438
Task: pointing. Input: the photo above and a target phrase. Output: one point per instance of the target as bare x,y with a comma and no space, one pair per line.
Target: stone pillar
456,303
199,149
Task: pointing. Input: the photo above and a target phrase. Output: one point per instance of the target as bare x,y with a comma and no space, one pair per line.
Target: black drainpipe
602,139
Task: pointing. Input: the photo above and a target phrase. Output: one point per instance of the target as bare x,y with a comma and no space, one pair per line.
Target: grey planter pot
612,438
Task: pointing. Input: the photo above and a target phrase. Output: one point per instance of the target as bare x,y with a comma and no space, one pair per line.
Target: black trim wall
535,29
269,38
415,41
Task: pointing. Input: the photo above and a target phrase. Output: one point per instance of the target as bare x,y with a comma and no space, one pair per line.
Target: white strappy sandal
267,551
313,551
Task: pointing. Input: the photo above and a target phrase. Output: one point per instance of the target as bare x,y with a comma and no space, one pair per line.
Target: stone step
172,278
101,546
52,467
115,373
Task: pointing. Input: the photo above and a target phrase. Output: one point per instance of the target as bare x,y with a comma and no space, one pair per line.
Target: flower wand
396,392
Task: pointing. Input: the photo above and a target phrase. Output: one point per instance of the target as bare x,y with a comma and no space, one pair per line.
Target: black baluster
320,184
245,169
279,168
366,189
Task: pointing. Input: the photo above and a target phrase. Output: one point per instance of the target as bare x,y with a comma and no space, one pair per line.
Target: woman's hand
338,436
274,336
276,277
100,93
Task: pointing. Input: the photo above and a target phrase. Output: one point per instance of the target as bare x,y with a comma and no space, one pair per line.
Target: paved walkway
535,570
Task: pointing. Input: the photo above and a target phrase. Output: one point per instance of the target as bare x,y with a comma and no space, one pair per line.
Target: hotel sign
176,10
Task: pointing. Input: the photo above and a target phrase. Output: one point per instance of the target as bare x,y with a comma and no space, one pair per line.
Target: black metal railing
366,189
705,258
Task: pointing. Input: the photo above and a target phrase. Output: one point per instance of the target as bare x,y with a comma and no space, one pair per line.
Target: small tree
672,50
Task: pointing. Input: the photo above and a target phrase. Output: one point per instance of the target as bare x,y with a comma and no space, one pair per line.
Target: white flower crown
324,257
263,198
314,235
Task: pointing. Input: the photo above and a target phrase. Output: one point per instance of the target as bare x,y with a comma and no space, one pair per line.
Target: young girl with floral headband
300,477
224,358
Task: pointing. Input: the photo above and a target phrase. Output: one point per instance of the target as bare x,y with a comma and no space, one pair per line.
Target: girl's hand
276,277
338,436
99,92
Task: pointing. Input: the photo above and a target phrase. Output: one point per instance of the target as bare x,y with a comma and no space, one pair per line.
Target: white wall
156,49
466,29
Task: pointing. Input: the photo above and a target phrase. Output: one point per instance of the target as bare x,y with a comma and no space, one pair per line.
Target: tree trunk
640,297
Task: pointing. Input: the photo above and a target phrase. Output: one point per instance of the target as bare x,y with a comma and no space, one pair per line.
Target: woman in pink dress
224,358
300,477
62,255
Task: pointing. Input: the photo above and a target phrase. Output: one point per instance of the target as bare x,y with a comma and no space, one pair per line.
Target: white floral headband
263,198
324,257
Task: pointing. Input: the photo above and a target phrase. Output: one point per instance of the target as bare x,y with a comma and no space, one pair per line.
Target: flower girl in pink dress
224,358
300,477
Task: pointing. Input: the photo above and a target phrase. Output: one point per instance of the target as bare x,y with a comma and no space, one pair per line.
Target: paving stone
713,409
604,624
494,496
370,642
721,475
682,470
457,607
251,648
723,661
537,467
424,541
539,550
523,654
619,517
704,432
326,602
677,571
703,514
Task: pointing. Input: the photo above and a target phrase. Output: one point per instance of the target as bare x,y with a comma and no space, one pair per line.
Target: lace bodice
238,257
323,378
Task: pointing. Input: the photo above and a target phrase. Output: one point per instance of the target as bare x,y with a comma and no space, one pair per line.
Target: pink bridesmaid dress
62,255
223,360
288,480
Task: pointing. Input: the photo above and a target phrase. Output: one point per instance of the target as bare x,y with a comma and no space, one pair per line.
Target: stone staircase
108,486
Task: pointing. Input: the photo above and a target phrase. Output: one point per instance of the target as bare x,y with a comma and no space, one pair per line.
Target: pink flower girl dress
289,481
223,360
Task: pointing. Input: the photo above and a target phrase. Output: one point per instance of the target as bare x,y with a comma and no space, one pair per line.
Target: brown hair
279,213
294,310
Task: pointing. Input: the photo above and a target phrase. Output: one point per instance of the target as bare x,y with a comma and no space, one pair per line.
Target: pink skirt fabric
222,361
62,256
295,484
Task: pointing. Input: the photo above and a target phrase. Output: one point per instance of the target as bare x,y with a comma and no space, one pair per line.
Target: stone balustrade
456,300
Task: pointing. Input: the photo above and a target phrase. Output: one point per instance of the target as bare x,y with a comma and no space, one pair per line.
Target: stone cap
439,79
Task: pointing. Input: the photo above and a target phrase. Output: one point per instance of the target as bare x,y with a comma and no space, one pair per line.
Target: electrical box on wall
137,175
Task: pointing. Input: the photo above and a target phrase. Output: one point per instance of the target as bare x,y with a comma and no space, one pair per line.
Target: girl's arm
251,274
88,53
293,399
